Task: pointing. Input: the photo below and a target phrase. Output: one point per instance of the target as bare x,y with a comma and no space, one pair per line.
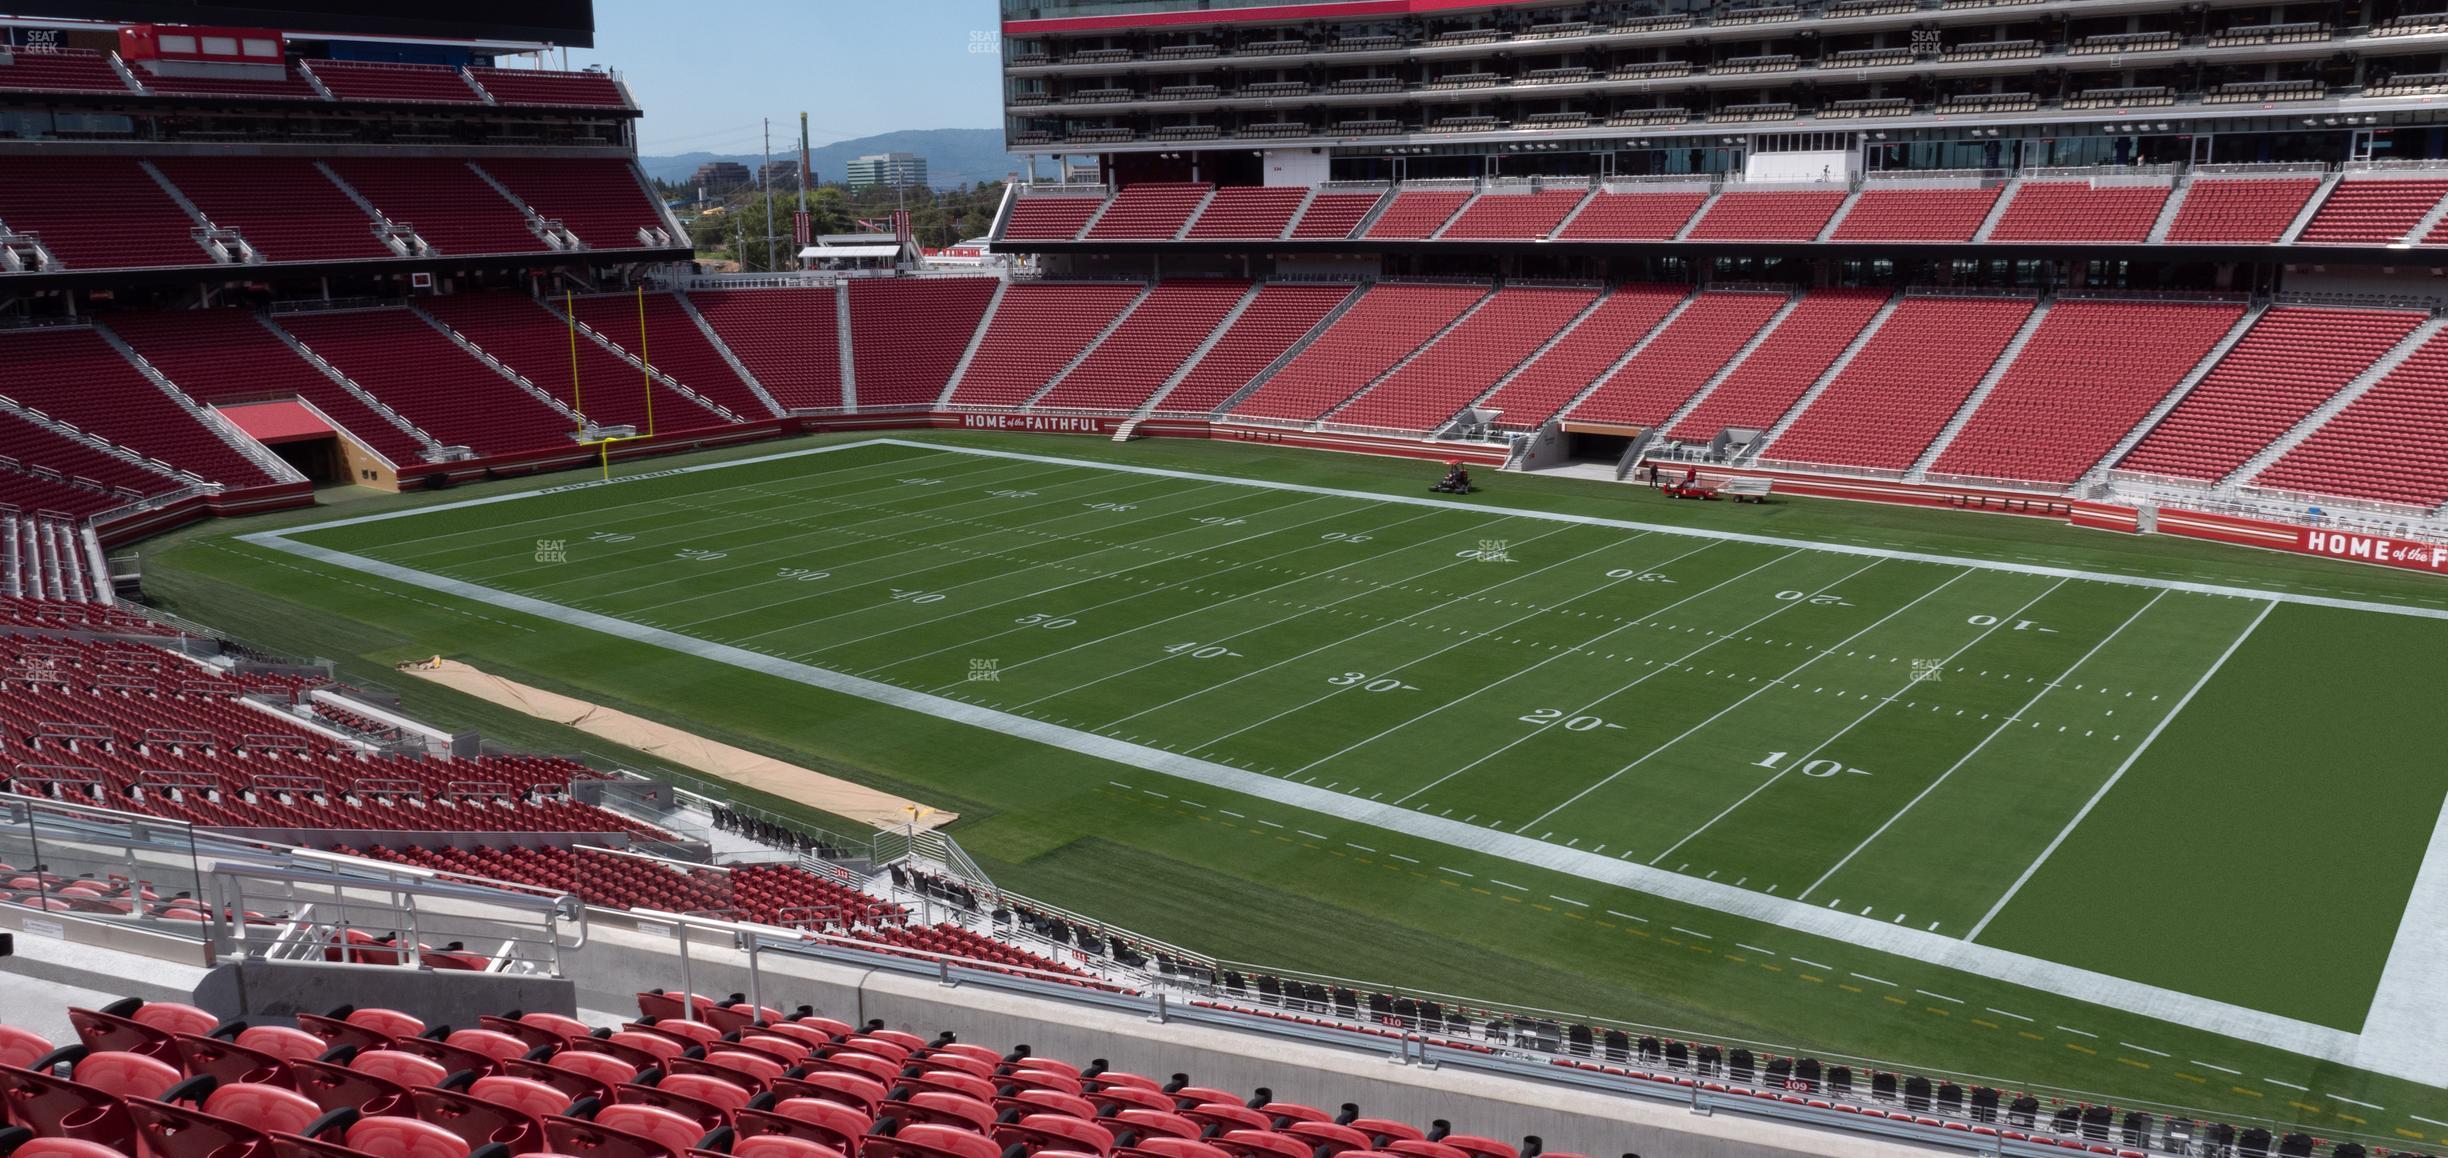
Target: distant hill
954,156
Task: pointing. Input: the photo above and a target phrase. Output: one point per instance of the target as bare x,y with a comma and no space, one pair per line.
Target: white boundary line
2119,774
1412,500
2424,1060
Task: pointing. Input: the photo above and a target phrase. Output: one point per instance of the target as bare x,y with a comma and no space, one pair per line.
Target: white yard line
650,553
692,496
1323,544
1098,577
1408,664
993,578
2110,783
764,557
808,528
1584,645
1807,757
1755,693
1367,590
2011,720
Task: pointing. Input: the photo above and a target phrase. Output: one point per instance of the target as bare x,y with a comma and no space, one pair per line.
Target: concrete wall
277,989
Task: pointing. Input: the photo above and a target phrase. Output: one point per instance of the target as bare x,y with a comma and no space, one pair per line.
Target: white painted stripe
1756,949
2083,1032
2146,1049
1691,932
1994,733
2208,1066
1627,916
1811,963
2355,1102
2119,774
1939,996
1876,980
2003,1013
2288,1085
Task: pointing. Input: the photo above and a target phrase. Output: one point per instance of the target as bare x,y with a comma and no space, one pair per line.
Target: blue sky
706,76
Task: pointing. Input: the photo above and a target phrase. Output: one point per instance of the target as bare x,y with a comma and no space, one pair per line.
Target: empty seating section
1417,214
1390,320
534,341
358,80
2372,212
1248,211
789,338
1149,211
2249,212
286,86
1647,390
1278,317
1467,361
1768,215
546,88
71,374
1904,384
674,346
1776,373
1148,347
134,728
67,70
598,198
2080,211
284,206
1333,216
1038,329
2292,360
907,336
1583,354
1514,216
88,478
2091,370
774,894
448,204
1049,218
227,356
1908,214
430,381
2390,445
1632,216
97,212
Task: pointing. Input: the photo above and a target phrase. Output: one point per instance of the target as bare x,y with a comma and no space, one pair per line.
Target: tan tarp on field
723,761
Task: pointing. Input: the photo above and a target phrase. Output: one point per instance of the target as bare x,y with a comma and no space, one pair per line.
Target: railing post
1157,1012
688,989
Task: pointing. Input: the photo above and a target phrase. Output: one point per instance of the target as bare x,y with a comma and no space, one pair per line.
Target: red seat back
654,1122
589,1140
58,1108
526,1095
267,1108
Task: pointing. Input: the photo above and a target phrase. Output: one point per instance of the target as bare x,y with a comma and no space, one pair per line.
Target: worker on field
1456,480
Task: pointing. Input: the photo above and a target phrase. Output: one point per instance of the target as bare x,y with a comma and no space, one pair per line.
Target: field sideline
1896,750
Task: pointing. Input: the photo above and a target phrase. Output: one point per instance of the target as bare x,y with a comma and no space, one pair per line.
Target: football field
2149,793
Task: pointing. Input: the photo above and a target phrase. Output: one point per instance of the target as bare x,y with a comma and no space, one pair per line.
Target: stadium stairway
2244,323
1980,393
1819,384
2354,389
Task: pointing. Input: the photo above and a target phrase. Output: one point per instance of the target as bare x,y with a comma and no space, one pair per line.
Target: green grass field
1736,784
